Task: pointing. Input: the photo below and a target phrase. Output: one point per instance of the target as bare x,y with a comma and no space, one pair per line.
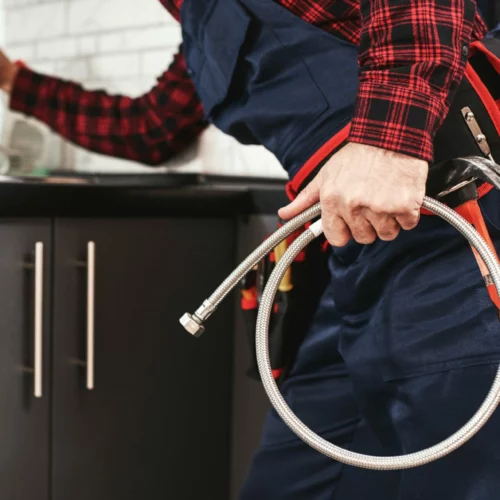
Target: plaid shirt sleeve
412,59
148,129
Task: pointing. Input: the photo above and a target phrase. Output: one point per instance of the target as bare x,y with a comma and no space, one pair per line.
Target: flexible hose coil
294,423
259,253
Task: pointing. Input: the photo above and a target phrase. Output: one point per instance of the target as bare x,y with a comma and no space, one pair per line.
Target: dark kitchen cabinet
24,417
157,423
128,405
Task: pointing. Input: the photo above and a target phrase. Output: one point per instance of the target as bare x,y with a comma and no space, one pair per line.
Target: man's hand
365,192
8,72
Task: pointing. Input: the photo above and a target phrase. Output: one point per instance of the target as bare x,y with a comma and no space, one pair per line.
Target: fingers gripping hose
194,324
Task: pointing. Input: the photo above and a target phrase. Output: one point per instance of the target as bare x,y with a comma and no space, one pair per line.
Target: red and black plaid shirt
412,57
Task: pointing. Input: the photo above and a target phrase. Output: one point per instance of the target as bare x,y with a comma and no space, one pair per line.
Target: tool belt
471,129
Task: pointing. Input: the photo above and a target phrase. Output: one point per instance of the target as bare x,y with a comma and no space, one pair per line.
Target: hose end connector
192,325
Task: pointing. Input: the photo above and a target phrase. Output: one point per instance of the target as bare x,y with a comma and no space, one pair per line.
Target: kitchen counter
150,195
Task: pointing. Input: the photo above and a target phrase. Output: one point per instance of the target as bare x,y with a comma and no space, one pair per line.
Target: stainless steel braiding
194,325
269,244
307,435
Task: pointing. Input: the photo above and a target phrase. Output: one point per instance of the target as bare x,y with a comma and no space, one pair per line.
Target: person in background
360,88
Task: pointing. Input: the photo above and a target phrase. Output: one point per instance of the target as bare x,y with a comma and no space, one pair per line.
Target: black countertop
149,195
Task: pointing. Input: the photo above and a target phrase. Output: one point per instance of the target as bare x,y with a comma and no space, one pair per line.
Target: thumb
306,198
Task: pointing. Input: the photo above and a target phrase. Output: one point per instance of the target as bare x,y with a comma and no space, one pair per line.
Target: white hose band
316,228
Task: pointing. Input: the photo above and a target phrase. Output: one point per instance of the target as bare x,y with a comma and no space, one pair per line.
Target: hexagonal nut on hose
192,326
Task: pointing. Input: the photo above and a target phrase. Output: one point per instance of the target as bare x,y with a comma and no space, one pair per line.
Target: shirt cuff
396,118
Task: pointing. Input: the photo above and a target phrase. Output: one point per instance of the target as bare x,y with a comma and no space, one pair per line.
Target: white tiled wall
121,46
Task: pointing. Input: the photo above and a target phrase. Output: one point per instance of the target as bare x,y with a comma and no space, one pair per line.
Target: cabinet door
24,417
157,423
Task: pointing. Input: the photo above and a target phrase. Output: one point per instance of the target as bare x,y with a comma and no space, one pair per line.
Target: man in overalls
405,342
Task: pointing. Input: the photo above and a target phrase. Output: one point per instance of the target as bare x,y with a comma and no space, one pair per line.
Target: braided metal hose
307,435
194,325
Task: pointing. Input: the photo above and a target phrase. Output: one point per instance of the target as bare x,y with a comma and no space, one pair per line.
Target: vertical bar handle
38,361
90,315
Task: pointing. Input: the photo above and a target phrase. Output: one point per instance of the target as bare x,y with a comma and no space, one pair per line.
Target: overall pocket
212,45
418,307
436,314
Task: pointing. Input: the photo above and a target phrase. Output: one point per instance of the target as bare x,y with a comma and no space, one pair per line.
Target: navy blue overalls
405,341
491,14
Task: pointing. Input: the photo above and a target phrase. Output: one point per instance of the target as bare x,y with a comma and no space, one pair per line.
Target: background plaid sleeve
148,129
412,59
339,17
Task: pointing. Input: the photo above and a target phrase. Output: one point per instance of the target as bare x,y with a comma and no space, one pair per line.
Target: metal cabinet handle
38,363
90,314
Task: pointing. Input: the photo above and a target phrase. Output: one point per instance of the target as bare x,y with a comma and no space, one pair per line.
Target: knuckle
338,240
412,202
329,196
388,235
307,194
411,221
403,204
378,208
336,235
364,237
414,215
408,201
353,203
309,199
330,204
398,208
366,240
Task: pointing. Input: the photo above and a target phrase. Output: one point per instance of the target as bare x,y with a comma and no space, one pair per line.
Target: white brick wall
120,46
35,22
